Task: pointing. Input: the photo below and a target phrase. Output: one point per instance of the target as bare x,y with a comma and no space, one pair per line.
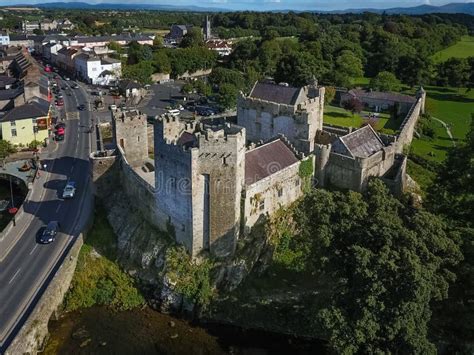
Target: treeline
392,276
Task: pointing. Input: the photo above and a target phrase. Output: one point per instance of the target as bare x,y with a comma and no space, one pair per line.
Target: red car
47,69
59,103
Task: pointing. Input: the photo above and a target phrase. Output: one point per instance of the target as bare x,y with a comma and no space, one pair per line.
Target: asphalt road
29,267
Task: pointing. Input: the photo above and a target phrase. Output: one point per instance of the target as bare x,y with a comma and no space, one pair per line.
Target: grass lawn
454,107
337,116
463,49
159,32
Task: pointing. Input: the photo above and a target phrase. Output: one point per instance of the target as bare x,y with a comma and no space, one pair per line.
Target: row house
97,71
65,58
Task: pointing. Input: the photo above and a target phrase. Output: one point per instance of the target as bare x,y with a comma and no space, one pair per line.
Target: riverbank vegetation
98,280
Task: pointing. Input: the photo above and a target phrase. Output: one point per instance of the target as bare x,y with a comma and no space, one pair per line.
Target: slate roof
186,139
384,96
286,95
10,94
267,160
359,144
128,84
109,61
7,80
29,110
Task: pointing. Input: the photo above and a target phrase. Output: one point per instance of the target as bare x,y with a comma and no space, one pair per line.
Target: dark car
81,107
60,125
59,137
49,233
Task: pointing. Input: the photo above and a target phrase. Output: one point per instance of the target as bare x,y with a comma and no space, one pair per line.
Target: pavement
26,266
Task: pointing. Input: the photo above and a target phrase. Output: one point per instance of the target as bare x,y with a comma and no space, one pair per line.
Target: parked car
70,190
112,107
174,112
59,137
60,125
49,233
59,102
81,107
66,78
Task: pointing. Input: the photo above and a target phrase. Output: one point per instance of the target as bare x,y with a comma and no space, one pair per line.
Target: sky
266,4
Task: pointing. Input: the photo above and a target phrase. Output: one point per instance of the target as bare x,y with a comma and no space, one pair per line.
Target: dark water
101,331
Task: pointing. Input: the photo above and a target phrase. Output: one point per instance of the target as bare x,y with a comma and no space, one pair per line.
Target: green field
463,49
338,116
454,107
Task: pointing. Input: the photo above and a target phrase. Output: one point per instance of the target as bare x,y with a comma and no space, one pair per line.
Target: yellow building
26,123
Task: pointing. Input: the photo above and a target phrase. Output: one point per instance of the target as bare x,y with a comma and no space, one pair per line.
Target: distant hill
465,8
123,7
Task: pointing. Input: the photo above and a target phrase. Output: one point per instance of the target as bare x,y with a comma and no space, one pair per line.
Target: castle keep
209,183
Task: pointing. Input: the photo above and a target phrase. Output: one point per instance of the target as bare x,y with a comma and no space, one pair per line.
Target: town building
97,71
176,34
26,123
21,40
222,47
30,26
377,101
65,58
4,39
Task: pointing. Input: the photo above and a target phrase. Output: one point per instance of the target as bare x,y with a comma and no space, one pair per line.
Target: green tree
227,97
140,72
193,38
386,263
454,72
348,67
162,62
329,95
385,81
297,69
6,148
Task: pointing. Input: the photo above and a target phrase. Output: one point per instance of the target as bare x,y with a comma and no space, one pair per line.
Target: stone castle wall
130,133
407,128
264,120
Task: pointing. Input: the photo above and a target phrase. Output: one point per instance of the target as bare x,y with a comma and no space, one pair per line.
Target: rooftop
286,95
361,143
385,96
267,160
30,110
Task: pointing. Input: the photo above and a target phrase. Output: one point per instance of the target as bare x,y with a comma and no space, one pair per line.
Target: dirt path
448,130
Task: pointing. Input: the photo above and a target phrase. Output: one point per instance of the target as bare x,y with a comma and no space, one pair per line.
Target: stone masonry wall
130,133
407,128
277,190
35,330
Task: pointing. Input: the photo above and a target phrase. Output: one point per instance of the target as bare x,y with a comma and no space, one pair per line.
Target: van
174,112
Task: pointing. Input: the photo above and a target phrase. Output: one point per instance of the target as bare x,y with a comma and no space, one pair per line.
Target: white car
66,78
70,190
112,107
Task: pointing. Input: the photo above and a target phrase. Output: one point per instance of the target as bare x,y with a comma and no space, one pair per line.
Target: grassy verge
98,280
454,107
463,49
420,174
340,117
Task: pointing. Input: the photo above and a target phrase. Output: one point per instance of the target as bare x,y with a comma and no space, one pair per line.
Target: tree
227,97
329,94
385,81
6,148
297,69
454,72
162,62
413,70
386,263
193,38
140,72
354,105
157,42
348,67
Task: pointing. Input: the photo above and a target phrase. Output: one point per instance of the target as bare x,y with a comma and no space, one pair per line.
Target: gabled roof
29,110
385,96
129,84
361,143
280,94
267,160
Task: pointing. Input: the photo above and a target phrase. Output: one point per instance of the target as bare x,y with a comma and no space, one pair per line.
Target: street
26,266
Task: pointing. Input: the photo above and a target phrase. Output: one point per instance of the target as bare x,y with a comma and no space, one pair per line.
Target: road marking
32,250
57,208
16,273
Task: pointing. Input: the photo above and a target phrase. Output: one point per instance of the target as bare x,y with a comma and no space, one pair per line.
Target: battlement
128,115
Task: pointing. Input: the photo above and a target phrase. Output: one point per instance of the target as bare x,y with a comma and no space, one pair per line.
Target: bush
191,279
425,126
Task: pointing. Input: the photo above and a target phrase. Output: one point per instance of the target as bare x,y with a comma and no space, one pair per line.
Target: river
99,330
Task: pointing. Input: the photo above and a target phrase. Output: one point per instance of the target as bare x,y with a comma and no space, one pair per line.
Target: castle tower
421,94
130,134
199,174
207,29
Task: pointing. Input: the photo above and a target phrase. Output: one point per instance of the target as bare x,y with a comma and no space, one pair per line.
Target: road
28,267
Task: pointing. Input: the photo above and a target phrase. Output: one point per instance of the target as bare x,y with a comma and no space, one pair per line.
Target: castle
210,183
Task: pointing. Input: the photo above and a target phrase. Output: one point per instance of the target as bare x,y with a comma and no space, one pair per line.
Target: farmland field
463,49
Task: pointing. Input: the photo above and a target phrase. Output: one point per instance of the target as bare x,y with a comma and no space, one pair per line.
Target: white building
4,39
97,71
